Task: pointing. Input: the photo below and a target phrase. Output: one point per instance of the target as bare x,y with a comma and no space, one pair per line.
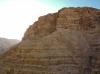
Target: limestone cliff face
66,42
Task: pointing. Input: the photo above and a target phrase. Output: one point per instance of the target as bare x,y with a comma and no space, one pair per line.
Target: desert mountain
65,42
5,44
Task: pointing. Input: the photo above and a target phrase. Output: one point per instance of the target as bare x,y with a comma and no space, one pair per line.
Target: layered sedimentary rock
66,42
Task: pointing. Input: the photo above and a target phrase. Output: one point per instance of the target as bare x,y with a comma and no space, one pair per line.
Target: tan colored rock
66,42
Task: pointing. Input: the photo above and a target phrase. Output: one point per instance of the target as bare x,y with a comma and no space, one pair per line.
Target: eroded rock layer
66,42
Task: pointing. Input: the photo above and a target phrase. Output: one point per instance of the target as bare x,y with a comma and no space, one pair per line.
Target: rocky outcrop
5,44
66,42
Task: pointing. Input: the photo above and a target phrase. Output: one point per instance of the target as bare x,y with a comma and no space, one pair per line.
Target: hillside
5,44
65,42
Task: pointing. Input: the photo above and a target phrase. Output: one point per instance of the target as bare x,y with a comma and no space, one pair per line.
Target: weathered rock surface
5,44
66,42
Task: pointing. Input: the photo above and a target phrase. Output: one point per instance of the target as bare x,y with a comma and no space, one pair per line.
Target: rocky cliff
5,44
65,42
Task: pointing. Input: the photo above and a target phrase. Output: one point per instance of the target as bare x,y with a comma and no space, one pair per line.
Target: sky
17,15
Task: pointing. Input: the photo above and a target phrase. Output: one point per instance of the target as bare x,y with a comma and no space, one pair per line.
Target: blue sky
17,15
75,3
65,3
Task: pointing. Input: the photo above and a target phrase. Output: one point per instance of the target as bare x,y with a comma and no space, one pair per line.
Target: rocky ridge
65,42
